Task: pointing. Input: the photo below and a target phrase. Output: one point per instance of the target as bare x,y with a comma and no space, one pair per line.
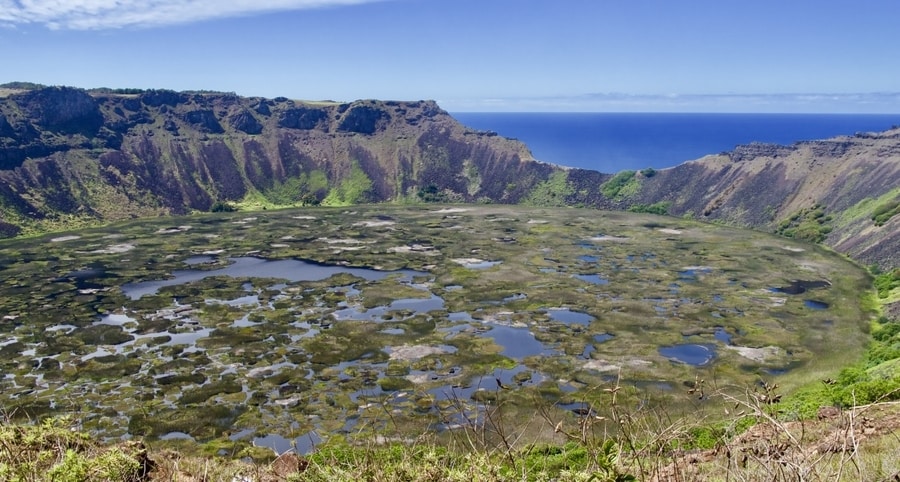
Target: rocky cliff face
828,190
69,155
72,154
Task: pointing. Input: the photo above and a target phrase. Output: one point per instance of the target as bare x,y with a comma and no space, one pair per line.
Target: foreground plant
54,450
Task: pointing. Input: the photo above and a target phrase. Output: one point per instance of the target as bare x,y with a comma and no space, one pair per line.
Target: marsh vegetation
286,329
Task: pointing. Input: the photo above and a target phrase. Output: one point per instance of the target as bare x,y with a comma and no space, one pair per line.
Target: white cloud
108,14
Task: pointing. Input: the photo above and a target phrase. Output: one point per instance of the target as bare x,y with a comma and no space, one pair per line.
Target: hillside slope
72,154
828,190
69,156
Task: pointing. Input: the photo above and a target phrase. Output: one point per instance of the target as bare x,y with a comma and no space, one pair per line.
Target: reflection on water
413,305
800,286
249,267
500,379
691,354
303,444
722,335
566,316
593,279
815,305
517,343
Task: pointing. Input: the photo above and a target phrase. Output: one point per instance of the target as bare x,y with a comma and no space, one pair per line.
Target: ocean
614,142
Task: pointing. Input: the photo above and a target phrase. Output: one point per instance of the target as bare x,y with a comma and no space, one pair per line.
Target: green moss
205,392
393,384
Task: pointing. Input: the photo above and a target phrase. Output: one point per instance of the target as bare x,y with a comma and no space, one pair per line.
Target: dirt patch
759,355
179,229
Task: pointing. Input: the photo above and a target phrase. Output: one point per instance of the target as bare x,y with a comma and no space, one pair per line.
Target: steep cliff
69,154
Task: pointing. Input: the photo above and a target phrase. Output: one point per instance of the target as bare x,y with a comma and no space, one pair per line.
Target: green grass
865,208
53,450
885,211
552,192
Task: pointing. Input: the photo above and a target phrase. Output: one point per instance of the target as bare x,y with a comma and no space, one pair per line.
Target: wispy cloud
110,14
871,102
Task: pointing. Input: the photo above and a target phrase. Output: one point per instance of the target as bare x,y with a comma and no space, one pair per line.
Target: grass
754,441
624,184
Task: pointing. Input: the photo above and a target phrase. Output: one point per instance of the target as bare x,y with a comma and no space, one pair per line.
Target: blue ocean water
613,142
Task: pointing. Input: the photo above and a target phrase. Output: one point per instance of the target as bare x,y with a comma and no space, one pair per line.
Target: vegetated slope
842,192
69,154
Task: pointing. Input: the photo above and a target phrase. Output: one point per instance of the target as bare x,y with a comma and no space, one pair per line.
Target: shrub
887,282
222,207
621,185
885,212
552,192
661,208
809,224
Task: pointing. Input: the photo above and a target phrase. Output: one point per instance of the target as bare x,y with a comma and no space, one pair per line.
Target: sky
807,56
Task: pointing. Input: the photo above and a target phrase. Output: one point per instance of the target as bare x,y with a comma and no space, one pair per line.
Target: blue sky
475,55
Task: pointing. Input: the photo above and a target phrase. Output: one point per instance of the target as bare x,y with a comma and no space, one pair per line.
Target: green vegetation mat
294,328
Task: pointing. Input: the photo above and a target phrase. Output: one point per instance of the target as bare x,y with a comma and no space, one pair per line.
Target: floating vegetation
289,327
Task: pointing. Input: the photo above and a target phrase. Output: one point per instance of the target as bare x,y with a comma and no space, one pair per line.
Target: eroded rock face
204,120
158,98
302,118
363,119
758,149
62,109
110,155
245,122
764,186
